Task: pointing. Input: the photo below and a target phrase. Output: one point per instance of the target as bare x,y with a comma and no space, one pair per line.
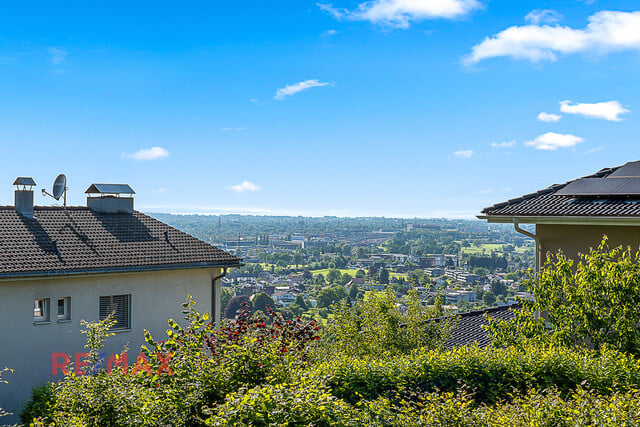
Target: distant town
302,265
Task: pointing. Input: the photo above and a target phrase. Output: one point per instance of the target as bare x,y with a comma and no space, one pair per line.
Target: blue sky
389,108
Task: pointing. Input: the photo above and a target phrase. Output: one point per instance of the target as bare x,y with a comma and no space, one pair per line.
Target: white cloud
549,118
506,144
607,31
463,154
158,190
400,13
231,129
57,55
244,187
152,153
299,87
330,33
254,100
610,110
552,141
542,16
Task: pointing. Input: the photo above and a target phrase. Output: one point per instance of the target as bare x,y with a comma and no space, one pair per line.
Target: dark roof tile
59,241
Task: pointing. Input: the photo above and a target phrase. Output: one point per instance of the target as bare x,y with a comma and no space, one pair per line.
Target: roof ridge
550,189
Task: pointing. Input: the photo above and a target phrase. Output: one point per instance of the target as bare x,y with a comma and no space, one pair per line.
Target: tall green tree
594,302
261,301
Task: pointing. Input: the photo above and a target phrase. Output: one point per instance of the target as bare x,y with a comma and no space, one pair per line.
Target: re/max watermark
60,362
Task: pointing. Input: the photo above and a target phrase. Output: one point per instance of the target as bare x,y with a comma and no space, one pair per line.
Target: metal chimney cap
24,180
110,189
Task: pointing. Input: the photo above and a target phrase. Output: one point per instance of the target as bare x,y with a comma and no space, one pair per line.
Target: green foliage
304,402
39,405
491,374
332,295
377,326
261,301
97,333
592,303
2,412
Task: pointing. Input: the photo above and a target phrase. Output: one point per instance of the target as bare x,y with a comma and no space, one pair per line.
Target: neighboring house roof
59,241
469,328
611,192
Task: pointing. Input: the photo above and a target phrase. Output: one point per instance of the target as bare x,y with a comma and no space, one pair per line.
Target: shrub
39,404
377,326
302,403
492,375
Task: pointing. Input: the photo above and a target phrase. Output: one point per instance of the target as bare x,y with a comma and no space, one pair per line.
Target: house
575,215
62,264
470,326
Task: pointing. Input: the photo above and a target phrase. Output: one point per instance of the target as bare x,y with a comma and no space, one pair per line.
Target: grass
488,247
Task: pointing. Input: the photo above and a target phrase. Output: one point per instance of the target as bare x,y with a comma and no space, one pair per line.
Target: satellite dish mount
59,189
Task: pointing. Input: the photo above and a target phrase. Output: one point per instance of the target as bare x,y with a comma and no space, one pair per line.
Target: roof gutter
216,306
563,220
55,274
516,225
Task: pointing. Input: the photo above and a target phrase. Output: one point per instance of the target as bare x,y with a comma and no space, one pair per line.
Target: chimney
110,198
24,196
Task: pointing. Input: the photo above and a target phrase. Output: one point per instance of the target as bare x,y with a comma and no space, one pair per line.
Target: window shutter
119,306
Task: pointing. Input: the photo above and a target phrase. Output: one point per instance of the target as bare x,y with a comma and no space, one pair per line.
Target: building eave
57,274
562,220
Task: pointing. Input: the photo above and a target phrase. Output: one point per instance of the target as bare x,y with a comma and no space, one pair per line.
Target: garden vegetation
569,358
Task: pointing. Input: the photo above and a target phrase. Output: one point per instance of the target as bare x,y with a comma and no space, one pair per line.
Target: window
41,310
64,309
119,306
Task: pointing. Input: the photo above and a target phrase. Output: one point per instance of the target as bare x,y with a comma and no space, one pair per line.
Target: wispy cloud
232,129
158,190
329,33
152,153
594,150
299,87
57,55
400,13
244,187
542,16
609,110
505,144
607,31
549,117
463,154
552,141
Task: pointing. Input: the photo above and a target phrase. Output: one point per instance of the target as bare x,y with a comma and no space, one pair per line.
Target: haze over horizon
423,108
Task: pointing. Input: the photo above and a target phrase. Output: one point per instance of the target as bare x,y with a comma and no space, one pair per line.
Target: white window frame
66,316
44,310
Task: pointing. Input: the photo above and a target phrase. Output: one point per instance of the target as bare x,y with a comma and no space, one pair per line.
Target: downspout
216,311
516,225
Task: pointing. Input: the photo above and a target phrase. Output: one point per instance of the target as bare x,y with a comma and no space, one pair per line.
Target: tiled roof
469,327
548,202
59,241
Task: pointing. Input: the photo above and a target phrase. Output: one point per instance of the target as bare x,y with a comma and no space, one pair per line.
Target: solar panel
632,188
110,189
593,187
631,169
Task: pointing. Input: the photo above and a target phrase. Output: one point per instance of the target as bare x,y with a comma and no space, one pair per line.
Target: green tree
333,276
299,302
361,273
261,301
353,292
498,288
384,276
489,298
225,296
592,302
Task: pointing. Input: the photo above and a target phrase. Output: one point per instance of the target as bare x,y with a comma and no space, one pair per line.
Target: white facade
27,346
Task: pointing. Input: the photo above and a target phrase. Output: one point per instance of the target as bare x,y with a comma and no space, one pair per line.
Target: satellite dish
59,186
59,189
